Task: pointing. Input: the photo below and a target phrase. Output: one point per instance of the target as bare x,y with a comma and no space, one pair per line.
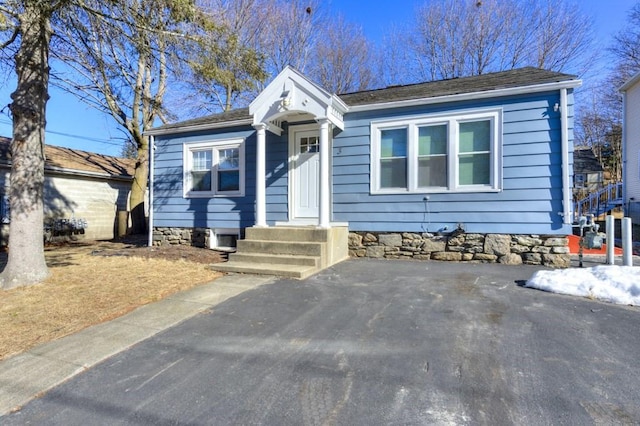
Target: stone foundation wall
197,237
552,251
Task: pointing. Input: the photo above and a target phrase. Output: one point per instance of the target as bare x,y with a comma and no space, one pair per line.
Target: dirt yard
93,282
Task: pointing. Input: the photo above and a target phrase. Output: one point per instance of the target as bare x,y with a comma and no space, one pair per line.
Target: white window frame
412,125
215,233
215,147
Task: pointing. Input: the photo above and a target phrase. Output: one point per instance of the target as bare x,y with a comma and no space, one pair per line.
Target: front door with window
306,174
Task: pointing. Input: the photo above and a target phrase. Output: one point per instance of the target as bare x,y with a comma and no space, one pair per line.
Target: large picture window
440,153
214,169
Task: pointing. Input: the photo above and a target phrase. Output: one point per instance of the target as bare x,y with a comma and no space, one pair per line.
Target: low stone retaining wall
552,251
197,237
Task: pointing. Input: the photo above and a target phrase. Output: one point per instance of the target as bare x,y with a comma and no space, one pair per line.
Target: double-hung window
439,153
393,158
214,168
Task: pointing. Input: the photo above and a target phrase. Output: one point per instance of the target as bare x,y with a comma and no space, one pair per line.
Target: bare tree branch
452,38
11,39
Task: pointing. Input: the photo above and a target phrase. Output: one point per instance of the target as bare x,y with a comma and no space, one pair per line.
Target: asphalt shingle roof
76,160
499,80
521,77
585,161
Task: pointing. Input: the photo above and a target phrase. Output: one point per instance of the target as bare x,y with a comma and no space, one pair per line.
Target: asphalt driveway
372,343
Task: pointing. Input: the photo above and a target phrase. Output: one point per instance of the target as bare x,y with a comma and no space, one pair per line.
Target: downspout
564,131
151,177
626,206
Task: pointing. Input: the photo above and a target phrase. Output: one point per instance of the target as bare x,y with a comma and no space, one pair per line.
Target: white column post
325,208
627,244
610,223
261,200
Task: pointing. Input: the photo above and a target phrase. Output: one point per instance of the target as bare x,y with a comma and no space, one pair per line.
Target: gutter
625,200
566,185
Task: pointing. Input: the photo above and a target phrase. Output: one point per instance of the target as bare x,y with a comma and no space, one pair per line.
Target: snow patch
609,283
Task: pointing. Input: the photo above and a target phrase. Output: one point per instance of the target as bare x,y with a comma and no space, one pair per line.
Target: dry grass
86,289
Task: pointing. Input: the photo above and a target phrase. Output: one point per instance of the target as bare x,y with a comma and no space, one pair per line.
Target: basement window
224,239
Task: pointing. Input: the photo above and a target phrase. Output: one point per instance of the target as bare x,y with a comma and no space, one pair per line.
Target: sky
72,124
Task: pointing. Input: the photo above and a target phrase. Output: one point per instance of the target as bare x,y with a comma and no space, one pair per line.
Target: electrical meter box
593,240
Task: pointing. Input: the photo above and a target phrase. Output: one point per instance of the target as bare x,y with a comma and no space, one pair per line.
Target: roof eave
85,173
385,105
75,172
632,81
198,127
469,96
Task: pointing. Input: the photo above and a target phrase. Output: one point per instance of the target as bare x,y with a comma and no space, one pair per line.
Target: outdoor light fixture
285,103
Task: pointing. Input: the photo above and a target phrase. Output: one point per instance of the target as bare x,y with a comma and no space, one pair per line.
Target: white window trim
451,120
213,237
214,146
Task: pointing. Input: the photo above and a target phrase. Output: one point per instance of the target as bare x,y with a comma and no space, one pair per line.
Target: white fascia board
339,104
632,81
520,90
199,127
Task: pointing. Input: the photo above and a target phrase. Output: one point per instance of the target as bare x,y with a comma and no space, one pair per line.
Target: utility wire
69,135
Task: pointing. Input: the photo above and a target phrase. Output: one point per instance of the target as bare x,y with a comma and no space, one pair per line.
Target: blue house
475,168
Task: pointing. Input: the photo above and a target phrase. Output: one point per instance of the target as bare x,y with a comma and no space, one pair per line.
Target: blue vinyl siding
530,200
171,209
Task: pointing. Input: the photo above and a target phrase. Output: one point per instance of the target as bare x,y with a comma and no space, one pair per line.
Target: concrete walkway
30,374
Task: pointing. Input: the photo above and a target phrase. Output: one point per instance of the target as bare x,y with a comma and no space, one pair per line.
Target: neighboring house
588,174
631,148
79,186
468,168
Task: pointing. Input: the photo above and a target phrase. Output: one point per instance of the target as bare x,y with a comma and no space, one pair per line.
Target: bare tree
225,66
256,39
119,64
291,28
27,24
599,121
28,31
344,59
626,49
449,39
562,37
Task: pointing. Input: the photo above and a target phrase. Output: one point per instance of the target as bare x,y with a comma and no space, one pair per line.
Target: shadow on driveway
373,342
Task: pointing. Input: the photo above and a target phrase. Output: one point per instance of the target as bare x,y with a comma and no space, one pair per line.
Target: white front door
306,174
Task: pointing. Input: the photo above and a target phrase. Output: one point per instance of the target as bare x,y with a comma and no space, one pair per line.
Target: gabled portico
291,97
308,241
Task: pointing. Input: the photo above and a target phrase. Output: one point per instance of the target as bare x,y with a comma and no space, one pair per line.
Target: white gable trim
292,93
630,83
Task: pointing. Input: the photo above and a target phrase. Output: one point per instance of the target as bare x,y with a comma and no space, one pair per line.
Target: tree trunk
139,188
26,264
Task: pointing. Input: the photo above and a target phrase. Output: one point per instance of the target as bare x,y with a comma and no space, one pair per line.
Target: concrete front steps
293,252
